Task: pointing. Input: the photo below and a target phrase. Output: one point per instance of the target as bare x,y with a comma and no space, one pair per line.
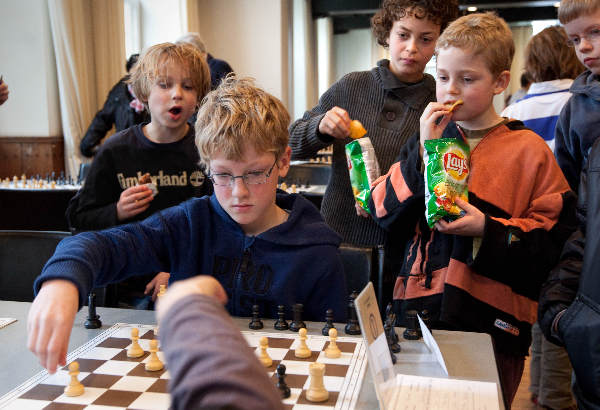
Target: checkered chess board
112,379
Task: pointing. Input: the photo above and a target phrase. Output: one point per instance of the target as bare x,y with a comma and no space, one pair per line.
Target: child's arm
101,202
330,291
567,148
319,127
400,194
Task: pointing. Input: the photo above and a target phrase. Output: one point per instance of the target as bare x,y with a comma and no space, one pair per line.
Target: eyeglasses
592,35
250,178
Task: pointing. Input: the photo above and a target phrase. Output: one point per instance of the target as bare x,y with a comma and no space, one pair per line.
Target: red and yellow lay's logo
455,164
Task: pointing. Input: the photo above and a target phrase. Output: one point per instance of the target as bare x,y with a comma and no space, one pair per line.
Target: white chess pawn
302,351
75,388
316,391
333,351
135,350
264,356
154,364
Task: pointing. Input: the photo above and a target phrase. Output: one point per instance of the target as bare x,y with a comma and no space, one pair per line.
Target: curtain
89,48
191,16
304,67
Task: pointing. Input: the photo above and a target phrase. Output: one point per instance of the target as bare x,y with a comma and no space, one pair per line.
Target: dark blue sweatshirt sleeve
93,259
210,363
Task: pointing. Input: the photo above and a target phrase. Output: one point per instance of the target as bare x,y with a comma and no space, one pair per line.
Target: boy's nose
411,45
584,45
239,188
177,91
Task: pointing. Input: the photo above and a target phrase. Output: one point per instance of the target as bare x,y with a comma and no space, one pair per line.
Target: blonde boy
579,121
483,271
170,80
265,247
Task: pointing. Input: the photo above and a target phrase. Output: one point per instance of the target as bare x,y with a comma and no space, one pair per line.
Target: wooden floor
522,400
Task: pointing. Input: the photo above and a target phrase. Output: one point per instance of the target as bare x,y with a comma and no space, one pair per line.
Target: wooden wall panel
31,156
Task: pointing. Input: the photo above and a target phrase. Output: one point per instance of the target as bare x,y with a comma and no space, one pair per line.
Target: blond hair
548,57
483,34
154,62
239,113
569,10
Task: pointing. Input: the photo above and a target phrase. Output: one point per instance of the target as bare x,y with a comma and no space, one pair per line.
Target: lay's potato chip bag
446,174
363,169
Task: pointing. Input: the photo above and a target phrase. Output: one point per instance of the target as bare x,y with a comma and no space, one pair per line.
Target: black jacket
574,285
116,110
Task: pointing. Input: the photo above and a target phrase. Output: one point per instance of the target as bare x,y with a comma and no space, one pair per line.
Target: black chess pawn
426,318
352,327
281,385
328,322
297,322
280,323
390,334
413,330
256,323
93,320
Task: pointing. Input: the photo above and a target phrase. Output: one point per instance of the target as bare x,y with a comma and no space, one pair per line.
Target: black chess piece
281,385
328,322
93,320
390,333
352,327
297,322
426,318
413,331
255,323
280,323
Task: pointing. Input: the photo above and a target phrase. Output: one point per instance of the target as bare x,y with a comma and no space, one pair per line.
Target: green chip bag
363,168
446,174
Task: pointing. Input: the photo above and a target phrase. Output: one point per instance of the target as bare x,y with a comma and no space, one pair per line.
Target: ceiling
353,14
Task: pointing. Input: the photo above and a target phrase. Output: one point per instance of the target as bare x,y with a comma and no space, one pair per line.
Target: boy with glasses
265,247
579,121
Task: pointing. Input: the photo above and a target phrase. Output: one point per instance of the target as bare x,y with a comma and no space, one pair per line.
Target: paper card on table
5,321
432,345
378,353
411,392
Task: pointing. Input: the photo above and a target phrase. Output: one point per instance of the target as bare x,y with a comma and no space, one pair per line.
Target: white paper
5,321
417,392
432,345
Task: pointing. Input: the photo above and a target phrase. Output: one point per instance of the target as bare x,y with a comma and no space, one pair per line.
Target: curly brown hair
548,57
440,12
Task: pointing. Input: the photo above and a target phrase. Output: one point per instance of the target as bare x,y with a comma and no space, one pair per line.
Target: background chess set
112,379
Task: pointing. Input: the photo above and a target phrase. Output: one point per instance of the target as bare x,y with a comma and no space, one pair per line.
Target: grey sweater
210,363
389,110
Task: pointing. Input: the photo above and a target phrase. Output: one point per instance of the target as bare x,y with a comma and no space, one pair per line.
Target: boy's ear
502,82
284,162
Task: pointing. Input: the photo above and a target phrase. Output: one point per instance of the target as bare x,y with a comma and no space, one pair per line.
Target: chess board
112,380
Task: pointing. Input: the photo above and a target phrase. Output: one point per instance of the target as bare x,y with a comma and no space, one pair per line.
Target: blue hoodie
578,126
295,262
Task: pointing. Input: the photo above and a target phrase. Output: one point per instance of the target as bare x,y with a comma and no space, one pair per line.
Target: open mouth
175,110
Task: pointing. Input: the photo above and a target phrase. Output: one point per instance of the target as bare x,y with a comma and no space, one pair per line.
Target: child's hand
336,123
430,128
161,278
133,200
198,285
471,224
50,321
360,211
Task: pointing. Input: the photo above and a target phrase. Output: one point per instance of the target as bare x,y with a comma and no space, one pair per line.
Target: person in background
209,369
552,65
483,271
387,100
3,91
218,68
121,108
579,122
520,93
170,81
